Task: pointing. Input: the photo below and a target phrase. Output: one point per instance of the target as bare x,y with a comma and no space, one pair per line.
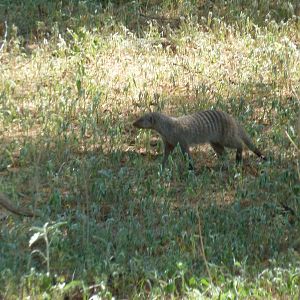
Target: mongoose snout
215,127
146,122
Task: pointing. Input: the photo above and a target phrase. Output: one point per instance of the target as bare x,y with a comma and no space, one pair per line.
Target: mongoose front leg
186,151
168,149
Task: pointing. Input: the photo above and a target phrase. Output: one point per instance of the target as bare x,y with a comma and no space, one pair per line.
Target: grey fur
215,127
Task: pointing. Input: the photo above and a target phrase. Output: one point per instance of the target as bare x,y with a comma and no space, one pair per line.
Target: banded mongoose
18,211
215,127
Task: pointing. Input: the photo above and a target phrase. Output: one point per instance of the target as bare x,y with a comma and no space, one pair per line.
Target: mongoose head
146,121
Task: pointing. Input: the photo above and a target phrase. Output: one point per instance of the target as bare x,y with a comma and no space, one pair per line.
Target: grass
72,81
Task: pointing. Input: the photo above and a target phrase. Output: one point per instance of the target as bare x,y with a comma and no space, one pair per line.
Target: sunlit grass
68,149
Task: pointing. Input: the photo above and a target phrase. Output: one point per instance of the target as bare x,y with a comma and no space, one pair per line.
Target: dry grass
68,148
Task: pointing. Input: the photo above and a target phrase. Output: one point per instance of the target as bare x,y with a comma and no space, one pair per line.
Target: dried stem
202,246
5,36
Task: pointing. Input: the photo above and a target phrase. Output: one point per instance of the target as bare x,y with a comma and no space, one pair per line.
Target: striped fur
211,126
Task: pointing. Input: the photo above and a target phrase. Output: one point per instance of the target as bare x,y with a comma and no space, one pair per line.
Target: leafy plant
74,75
47,233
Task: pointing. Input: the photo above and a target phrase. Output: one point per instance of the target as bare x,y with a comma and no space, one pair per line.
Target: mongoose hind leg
221,154
236,143
239,155
218,148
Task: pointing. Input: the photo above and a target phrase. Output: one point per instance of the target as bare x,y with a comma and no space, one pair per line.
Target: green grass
72,81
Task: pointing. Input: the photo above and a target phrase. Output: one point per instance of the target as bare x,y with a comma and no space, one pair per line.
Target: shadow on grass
126,221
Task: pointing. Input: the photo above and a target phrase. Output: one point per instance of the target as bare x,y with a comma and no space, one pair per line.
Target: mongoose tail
18,211
246,139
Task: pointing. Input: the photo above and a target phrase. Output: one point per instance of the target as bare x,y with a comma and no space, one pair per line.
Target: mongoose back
215,127
18,211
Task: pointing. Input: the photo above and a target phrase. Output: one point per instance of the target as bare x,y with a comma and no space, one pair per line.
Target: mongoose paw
263,158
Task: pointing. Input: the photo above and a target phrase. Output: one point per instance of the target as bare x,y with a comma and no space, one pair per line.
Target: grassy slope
67,147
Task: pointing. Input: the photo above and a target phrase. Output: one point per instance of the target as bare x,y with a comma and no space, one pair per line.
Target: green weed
73,78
